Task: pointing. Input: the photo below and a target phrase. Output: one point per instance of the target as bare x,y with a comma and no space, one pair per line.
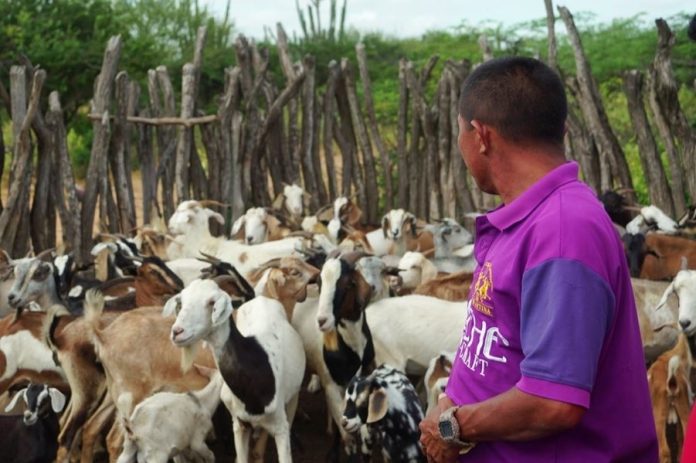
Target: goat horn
45,253
624,190
134,258
212,202
208,258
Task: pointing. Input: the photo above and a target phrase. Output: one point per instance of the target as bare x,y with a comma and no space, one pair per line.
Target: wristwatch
449,430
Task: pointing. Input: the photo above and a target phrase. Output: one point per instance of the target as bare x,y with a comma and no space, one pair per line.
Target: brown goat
664,253
452,287
670,392
286,280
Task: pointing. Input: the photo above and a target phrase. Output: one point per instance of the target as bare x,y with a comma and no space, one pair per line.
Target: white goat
652,216
292,201
259,355
684,285
189,225
415,269
259,226
170,424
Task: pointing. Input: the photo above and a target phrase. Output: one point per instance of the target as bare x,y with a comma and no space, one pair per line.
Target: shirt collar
507,215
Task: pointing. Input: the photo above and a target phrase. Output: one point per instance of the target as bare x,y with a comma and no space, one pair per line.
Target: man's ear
482,135
378,406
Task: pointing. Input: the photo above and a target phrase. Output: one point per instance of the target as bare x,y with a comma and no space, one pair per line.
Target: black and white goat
259,355
384,411
32,437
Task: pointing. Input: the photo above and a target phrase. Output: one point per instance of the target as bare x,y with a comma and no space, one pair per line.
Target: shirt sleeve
566,313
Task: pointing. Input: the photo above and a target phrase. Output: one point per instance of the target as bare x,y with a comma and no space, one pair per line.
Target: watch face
446,429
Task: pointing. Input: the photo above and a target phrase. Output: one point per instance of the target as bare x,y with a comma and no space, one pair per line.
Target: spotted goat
384,411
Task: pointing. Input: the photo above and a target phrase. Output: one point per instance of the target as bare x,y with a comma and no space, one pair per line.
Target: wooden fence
263,136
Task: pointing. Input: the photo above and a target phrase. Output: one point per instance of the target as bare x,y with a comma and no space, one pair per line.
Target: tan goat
670,392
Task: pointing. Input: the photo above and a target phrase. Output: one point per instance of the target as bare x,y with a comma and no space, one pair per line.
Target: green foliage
67,38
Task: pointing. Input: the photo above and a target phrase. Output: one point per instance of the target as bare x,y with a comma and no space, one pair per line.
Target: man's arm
516,416
512,416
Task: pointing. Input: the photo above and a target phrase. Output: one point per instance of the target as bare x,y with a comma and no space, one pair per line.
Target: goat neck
244,366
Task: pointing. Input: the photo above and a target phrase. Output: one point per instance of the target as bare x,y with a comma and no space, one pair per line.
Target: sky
411,18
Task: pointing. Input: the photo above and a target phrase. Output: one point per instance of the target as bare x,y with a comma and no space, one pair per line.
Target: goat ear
15,399
4,258
222,309
355,214
217,216
385,225
237,226
170,307
684,263
378,405
411,220
57,399
665,296
278,202
276,280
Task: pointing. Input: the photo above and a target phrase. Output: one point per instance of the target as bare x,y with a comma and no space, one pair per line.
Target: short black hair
522,98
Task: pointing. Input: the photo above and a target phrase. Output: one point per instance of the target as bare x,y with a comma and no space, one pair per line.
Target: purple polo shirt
552,313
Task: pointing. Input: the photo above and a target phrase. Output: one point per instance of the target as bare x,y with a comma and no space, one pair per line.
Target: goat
415,269
436,377
336,355
258,225
658,328
453,250
259,355
684,286
156,363
651,217
170,424
449,236
6,281
374,272
23,355
401,228
190,228
384,410
31,437
150,243
617,207
285,280
670,392
292,201
453,287
663,255
687,222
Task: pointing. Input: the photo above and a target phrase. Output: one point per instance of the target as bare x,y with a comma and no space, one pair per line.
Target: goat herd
176,338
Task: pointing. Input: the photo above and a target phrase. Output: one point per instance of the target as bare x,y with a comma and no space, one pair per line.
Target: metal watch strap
449,416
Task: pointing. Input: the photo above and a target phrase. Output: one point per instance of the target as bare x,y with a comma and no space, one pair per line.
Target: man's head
521,101
522,98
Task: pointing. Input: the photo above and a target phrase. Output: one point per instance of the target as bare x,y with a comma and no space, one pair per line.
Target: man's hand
435,449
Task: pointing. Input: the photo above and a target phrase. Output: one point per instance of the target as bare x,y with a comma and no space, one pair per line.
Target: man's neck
517,171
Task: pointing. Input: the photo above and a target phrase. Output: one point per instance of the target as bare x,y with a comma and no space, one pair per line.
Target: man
550,366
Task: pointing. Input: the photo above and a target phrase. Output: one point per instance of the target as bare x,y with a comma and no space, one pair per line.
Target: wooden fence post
374,128
401,137
368,160
593,110
97,163
656,181
69,207
183,147
671,121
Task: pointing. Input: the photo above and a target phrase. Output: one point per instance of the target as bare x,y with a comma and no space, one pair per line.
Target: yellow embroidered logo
484,285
